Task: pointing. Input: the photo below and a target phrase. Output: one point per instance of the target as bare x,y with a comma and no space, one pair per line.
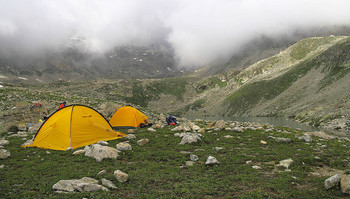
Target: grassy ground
157,169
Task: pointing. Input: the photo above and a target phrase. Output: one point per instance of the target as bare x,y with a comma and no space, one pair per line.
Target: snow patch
39,80
23,78
1,86
3,77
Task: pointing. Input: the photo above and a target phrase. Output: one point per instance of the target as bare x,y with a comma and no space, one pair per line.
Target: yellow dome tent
127,117
72,127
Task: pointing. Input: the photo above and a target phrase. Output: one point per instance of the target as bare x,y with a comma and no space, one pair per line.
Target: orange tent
72,127
127,117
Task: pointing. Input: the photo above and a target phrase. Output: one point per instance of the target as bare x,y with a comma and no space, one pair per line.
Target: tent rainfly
72,127
127,117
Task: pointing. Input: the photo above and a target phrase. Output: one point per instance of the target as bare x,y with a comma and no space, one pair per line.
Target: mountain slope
308,81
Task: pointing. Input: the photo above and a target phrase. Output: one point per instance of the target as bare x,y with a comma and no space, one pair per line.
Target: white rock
104,143
4,154
211,160
256,167
121,176
124,146
190,138
100,152
345,184
130,136
189,163
151,129
142,142
286,163
4,142
102,172
78,152
108,183
194,157
332,181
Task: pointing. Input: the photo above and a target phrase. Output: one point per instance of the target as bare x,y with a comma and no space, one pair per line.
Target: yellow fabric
127,116
74,126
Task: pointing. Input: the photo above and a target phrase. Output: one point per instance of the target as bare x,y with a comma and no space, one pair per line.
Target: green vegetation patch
158,169
304,47
142,93
198,104
252,93
336,63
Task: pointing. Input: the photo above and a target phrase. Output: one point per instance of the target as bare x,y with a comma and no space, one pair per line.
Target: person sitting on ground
170,120
62,105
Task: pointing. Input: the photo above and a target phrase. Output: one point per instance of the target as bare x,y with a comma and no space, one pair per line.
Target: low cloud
200,31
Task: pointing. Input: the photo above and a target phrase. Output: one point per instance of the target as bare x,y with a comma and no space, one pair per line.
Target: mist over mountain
196,33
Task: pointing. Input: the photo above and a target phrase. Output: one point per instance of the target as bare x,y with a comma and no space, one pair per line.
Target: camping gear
171,120
71,127
127,117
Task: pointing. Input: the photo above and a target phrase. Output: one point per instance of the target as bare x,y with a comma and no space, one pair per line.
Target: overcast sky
200,31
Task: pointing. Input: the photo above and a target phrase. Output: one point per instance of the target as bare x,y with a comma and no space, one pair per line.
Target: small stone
104,143
142,142
81,151
108,183
263,142
124,146
130,136
211,160
102,172
307,138
151,129
189,163
121,176
194,157
286,163
256,167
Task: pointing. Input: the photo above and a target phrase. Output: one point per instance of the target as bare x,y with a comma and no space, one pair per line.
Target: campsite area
248,164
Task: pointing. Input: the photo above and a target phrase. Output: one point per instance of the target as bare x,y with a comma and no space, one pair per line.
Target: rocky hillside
308,81
72,63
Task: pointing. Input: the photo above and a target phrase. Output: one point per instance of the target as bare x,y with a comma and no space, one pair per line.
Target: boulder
189,138
332,181
345,184
219,125
108,183
121,176
100,152
82,185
